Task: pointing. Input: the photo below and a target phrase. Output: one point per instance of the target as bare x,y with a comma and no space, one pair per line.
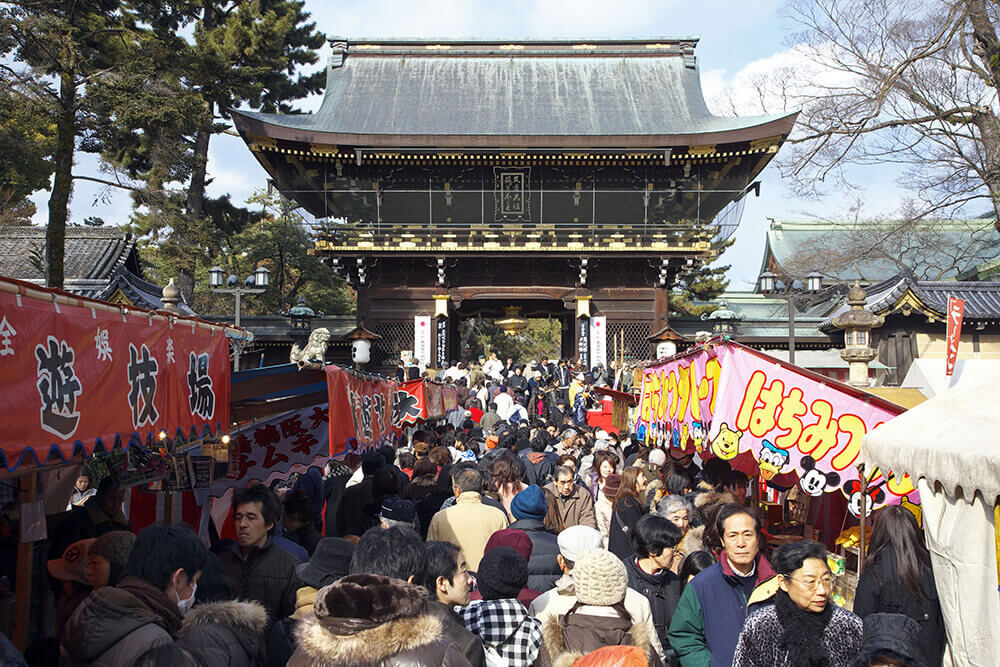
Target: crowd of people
542,387
509,542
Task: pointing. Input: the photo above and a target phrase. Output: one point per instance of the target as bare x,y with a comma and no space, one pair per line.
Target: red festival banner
423,400
78,372
360,411
956,309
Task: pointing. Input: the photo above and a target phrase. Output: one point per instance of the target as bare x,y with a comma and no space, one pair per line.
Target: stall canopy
770,417
928,375
949,445
80,374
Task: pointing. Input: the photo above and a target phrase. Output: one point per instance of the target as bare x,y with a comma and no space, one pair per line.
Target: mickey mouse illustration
852,489
815,482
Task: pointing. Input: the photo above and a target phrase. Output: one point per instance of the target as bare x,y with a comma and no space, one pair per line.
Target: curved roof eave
298,128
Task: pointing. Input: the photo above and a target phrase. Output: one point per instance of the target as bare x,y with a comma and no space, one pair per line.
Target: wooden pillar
25,568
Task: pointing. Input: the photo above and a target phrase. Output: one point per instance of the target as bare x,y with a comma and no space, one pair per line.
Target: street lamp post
792,294
254,284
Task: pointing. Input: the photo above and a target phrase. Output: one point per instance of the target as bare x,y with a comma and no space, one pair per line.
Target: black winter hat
330,561
502,574
891,635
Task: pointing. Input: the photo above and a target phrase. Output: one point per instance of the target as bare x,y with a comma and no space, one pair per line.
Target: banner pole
863,529
25,567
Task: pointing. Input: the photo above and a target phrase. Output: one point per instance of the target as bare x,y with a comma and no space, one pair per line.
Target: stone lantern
857,324
723,320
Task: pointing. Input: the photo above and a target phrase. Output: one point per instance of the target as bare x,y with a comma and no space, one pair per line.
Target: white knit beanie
599,578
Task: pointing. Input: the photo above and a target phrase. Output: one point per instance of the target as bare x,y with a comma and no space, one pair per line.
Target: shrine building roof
513,94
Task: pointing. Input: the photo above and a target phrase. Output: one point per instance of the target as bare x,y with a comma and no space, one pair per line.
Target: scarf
802,632
155,600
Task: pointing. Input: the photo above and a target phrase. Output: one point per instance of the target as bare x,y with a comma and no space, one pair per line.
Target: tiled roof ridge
33,231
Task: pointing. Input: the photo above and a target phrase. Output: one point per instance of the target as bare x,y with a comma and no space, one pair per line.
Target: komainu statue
312,355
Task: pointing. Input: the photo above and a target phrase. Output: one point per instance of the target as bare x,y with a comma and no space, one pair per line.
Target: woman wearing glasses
801,626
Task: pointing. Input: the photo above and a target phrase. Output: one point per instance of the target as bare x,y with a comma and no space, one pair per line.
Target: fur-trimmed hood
693,540
318,645
706,498
226,633
553,644
234,614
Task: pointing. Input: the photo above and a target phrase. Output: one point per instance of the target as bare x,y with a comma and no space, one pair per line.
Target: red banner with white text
74,376
360,411
956,309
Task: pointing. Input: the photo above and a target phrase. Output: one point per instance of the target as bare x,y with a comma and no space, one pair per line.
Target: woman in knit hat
108,555
598,618
500,620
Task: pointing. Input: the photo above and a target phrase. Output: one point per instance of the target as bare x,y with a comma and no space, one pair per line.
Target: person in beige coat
604,507
468,523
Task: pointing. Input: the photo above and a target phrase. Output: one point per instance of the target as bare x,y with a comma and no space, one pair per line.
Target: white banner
598,340
273,449
422,339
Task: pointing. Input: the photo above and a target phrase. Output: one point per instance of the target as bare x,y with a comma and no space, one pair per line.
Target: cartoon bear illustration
772,460
727,443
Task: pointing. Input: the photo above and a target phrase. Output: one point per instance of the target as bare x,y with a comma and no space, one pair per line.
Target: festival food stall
796,434
82,376
948,445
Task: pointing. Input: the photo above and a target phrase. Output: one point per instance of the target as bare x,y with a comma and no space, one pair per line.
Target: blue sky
735,36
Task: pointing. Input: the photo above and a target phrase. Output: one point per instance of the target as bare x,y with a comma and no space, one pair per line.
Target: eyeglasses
812,584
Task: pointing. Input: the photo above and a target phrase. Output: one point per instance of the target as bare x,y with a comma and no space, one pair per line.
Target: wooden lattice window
396,337
636,344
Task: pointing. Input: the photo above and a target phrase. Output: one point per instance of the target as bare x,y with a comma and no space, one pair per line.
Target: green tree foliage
240,53
697,287
199,60
239,240
26,141
482,336
53,51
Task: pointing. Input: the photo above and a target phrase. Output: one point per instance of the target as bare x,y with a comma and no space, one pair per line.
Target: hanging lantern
512,322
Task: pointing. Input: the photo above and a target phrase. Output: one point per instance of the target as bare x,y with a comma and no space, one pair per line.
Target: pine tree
53,51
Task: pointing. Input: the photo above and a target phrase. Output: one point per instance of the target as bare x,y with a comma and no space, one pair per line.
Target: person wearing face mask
117,624
801,625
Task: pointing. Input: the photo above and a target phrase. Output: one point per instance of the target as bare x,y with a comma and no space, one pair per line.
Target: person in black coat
528,508
539,465
898,578
653,541
297,520
629,508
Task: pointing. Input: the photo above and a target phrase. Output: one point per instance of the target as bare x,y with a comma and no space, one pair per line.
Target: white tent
950,445
928,375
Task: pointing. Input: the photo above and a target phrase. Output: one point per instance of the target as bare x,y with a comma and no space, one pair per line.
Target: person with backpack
598,618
